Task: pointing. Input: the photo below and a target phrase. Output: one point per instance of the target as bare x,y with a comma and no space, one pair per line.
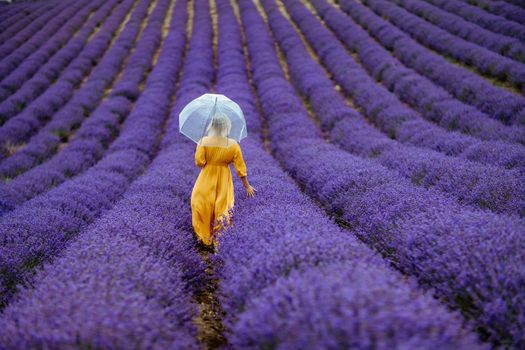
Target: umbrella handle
213,110
209,117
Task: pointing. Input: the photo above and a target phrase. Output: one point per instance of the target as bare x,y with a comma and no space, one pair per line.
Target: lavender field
386,140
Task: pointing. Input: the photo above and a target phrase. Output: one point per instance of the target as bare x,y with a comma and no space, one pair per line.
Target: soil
209,320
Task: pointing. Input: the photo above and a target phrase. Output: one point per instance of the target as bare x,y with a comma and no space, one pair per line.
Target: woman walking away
217,125
212,198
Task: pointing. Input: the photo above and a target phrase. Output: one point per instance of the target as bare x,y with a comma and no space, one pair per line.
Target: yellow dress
212,197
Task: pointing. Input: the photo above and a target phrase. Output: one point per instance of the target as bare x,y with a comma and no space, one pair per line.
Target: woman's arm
200,156
240,168
250,190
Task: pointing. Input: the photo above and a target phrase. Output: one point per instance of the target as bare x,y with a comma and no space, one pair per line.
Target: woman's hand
250,191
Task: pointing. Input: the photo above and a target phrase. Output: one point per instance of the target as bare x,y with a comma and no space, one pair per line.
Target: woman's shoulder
204,139
210,141
235,145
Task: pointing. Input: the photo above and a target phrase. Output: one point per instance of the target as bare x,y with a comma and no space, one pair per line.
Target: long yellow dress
212,197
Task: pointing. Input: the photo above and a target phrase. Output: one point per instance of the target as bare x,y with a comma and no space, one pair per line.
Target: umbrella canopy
196,118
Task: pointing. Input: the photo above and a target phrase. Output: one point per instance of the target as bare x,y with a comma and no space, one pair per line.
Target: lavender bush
485,19
483,60
140,296
32,41
389,206
501,44
421,232
25,22
433,102
56,216
32,77
515,2
98,131
501,8
268,301
85,100
39,111
469,182
463,84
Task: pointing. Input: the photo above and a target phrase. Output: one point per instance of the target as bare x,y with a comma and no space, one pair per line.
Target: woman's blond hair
220,125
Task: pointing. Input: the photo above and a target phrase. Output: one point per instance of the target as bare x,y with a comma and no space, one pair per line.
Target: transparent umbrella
196,118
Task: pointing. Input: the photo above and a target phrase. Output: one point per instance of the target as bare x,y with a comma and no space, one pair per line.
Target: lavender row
32,24
484,19
515,2
485,61
39,71
45,143
41,227
141,61
433,102
42,69
501,8
20,10
198,72
95,134
29,44
14,23
498,43
471,183
147,307
86,98
387,112
21,99
230,74
14,13
117,290
89,146
264,287
453,249
463,84
301,282
25,124
7,12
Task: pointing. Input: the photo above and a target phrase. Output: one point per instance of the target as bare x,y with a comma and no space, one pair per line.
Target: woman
212,198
